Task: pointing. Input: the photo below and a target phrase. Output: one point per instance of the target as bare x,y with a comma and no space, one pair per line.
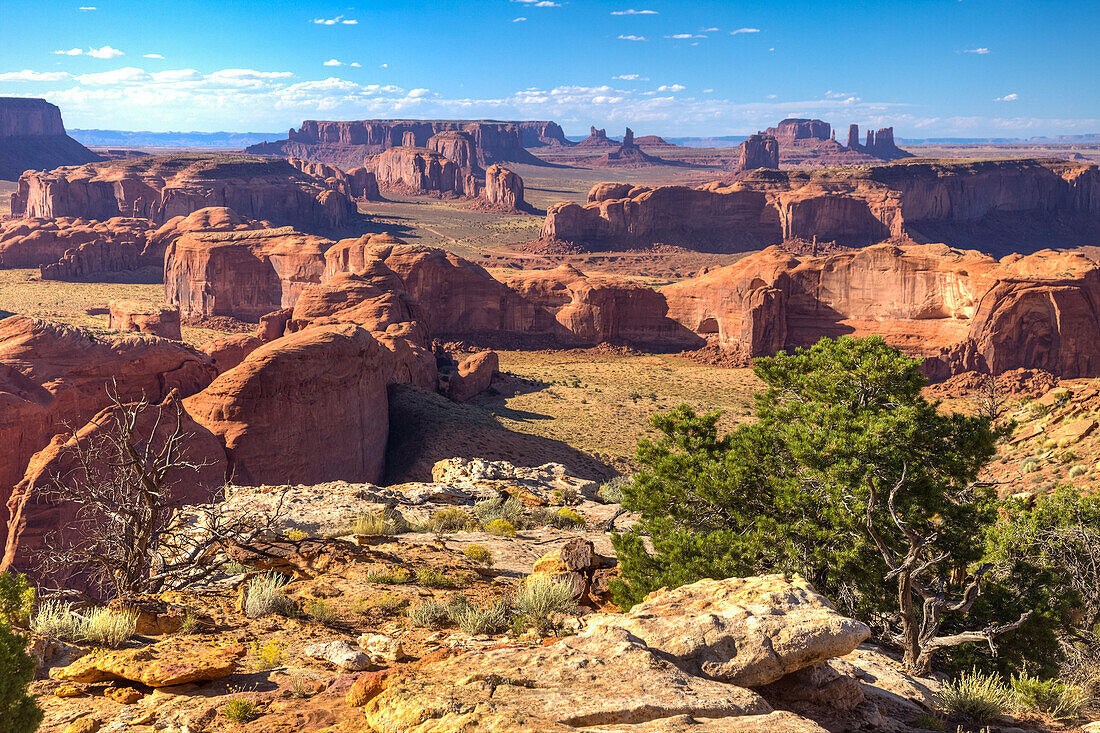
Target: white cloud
539,3
338,20
87,7
744,30
383,66
28,75
708,91
333,62
417,93
355,64
671,88
631,38
631,77
980,51
709,30
681,36
773,96
70,52
153,56
1008,98
632,11
519,19
105,53
125,75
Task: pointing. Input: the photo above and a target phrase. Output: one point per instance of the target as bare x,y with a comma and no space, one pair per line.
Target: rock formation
53,377
32,137
792,128
879,144
160,188
537,134
596,139
420,171
457,146
117,244
1045,202
759,151
358,183
472,375
503,188
628,155
151,318
959,309
346,144
304,408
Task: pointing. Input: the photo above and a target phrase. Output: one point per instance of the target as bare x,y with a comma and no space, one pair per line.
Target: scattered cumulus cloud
333,62
520,19
87,7
106,52
28,75
70,52
681,36
338,20
631,38
153,56
355,64
1008,98
708,91
709,30
744,30
631,77
671,88
539,3
383,66
981,51
632,11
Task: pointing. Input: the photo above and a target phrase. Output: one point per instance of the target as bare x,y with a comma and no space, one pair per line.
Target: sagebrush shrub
108,627
540,599
479,554
478,621
976,695
265,595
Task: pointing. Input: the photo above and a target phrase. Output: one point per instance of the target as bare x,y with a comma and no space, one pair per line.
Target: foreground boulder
679,657
175,661
305,408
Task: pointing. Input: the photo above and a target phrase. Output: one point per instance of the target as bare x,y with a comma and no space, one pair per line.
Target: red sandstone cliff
32,137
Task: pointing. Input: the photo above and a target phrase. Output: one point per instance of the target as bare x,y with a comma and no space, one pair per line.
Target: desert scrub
568,519
479,621
1055,698
16,599
501,528
982,697
1031,465
387,603
190,623
18,710
612,491
392,576
540,599
56,619
429,614
510,510
432,578
375,524
108,627
240,710
295,535
1079,470
265,595
268,655
447,521
479,554
321,611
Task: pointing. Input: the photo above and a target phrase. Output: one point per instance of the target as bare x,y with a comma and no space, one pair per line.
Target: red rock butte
32,136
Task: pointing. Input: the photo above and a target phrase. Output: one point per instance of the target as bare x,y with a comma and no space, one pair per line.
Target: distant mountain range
143,139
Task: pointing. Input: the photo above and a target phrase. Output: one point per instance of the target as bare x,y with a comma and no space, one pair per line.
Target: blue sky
669,67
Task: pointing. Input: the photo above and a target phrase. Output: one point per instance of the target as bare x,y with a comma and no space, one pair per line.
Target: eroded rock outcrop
305,408
960,309
998,205
144,317
503,188
160,188
419,171
32,137
794,128
96,246
759,151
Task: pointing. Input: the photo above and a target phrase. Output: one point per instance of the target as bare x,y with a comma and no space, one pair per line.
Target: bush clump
240,710
18,710
977,695
479,554
510,510
432,578
540,599
393,576
612,491
108,627
16,599
501,528
265,595
478,621
447,521
1055,698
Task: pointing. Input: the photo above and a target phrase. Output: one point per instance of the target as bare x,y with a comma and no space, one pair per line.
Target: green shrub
108,627
432,578
612,491
569,519
387,603
393,576
268,655
1052,697
429,614
1031,465
982,697
927,721
321,611
1078,470
240,710
477,621
510,510
16,599
479,554
540,599
501,527
447,521
18,711
265,595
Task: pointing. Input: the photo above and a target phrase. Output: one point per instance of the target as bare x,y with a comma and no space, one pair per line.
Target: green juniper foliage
842,432
18,711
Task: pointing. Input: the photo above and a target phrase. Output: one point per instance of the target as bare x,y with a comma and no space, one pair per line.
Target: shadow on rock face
427,427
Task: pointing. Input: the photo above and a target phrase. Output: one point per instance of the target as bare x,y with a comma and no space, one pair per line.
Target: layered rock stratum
32,137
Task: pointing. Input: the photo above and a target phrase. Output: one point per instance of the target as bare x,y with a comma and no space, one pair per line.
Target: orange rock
150,318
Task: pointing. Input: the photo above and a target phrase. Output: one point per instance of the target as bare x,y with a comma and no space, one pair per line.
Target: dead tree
993,400
917,582
128,534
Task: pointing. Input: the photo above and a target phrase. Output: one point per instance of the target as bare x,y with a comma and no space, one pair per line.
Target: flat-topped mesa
959,309
162,187
346,144
759,151
792,128
962,203
537,134
32,137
